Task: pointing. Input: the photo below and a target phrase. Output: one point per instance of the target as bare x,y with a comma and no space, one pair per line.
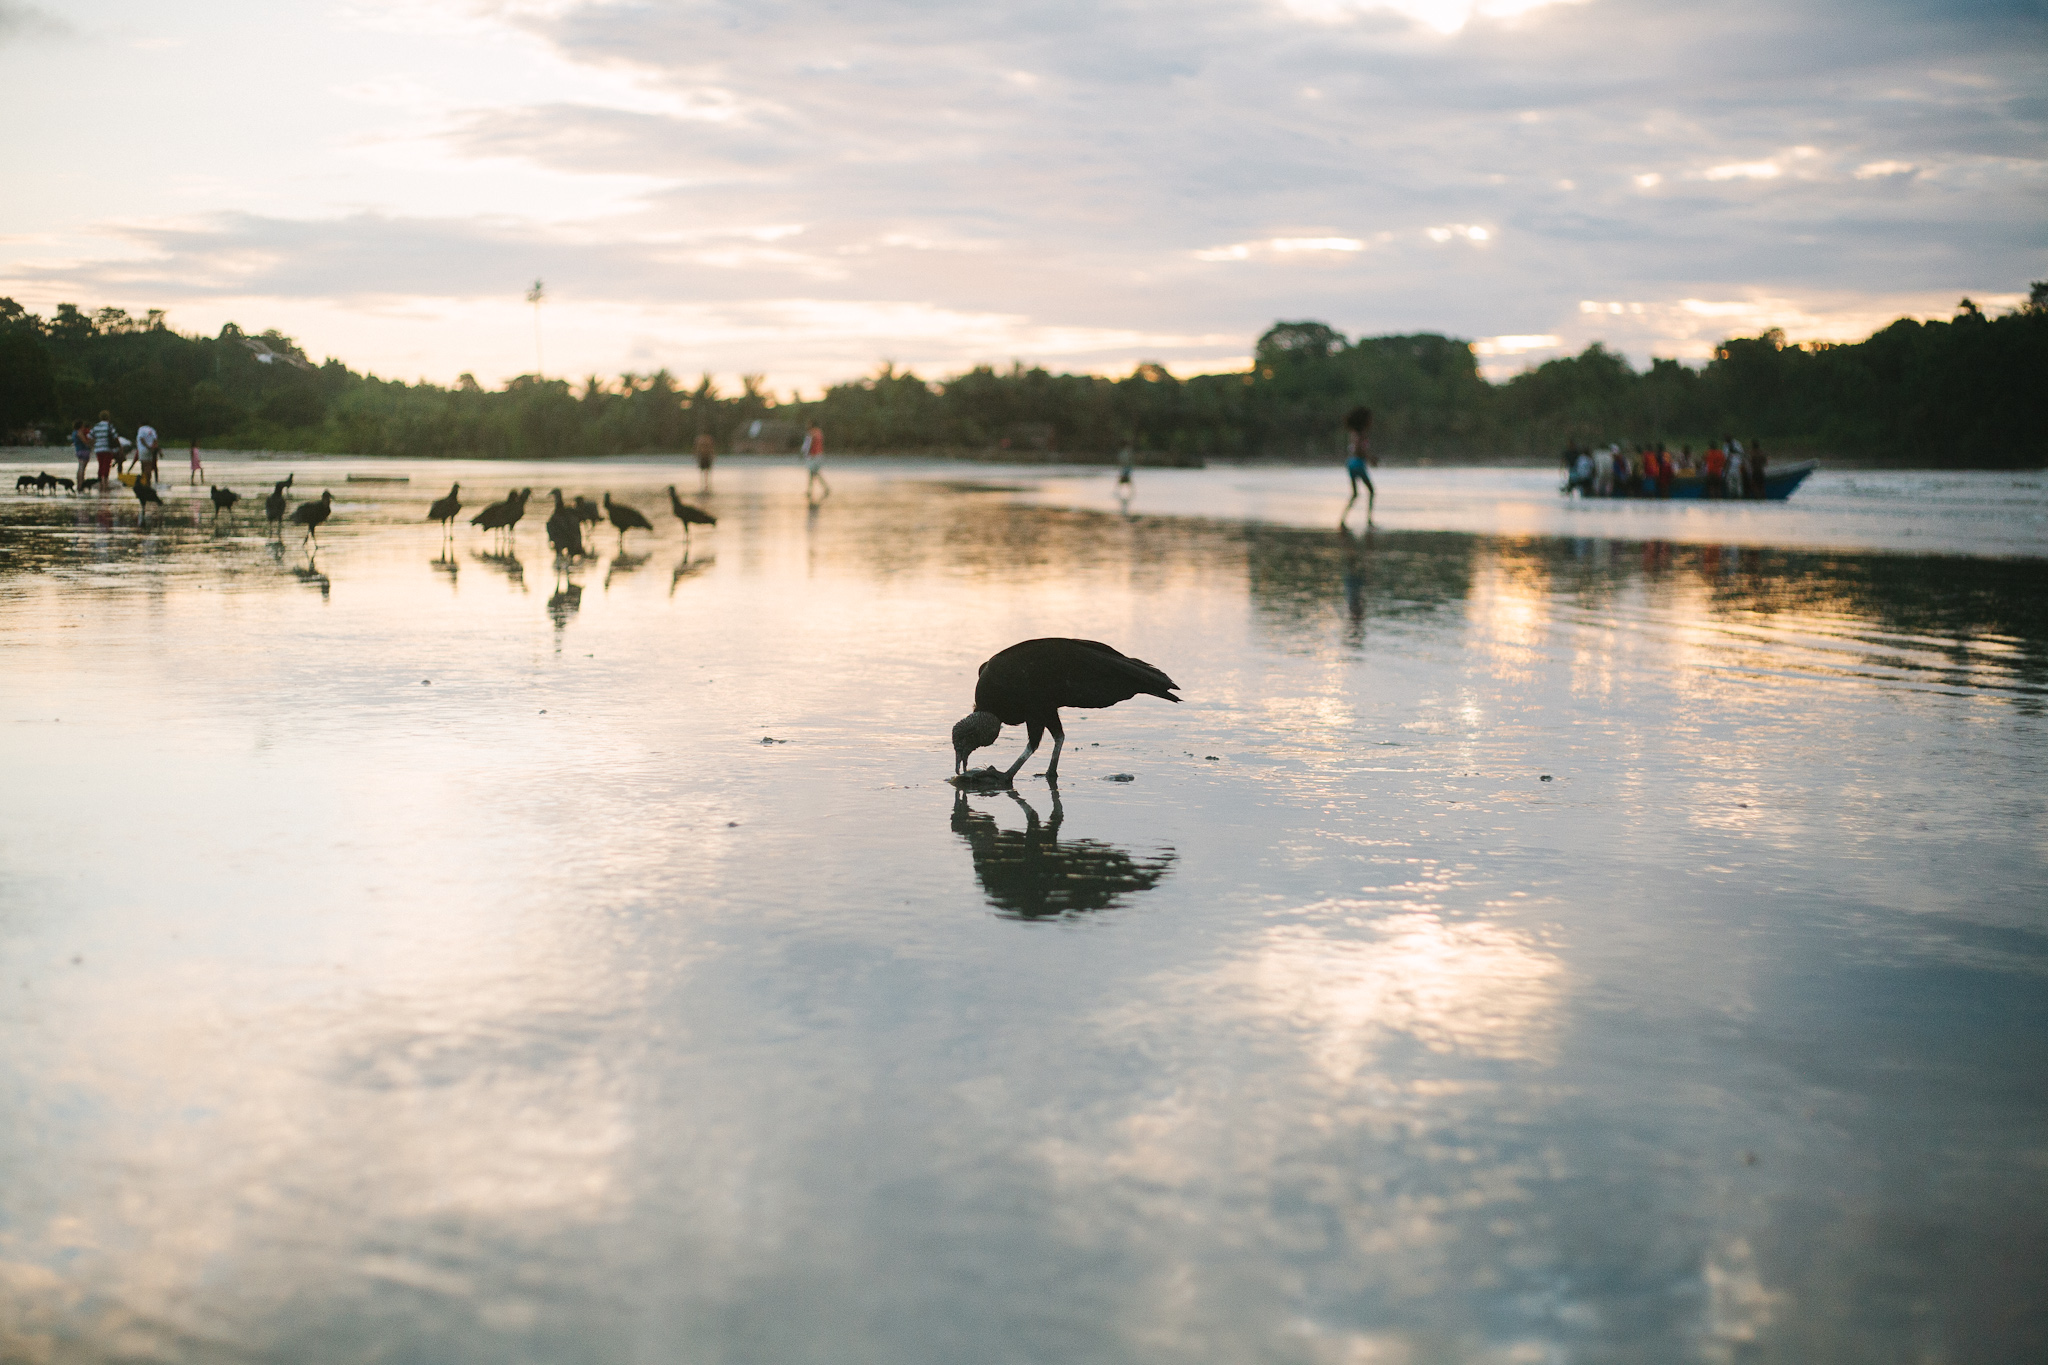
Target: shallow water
414,953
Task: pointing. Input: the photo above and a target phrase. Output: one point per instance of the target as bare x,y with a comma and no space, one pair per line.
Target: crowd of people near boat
1725,470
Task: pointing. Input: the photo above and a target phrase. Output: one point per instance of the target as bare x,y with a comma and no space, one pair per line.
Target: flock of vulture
567,520
1026,684
565,523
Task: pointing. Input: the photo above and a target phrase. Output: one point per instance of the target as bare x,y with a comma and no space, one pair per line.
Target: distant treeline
1969,392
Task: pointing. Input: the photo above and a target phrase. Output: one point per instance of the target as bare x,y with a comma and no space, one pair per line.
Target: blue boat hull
1779,484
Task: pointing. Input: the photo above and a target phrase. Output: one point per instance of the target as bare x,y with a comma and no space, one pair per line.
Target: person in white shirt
147,451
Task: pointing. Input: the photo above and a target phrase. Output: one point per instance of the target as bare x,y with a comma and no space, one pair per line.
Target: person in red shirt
1717,469
814,453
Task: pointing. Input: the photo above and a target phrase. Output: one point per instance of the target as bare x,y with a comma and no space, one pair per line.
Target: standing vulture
625,518
311,514
565,533
273,506
1028,683
444,509
503,516
689,516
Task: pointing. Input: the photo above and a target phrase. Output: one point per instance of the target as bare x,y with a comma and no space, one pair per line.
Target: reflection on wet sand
309,574
621,565
687,568
1033,874
563,605
505,562
1712,1048
1346,975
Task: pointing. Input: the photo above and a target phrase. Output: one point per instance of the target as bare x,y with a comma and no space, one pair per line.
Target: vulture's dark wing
1036,677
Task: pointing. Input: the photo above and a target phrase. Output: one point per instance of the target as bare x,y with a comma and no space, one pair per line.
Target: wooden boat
1780,481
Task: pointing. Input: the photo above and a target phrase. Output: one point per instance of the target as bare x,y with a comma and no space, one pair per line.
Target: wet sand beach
1543,932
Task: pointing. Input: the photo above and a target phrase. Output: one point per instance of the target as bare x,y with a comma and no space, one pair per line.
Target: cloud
1155,171
21,22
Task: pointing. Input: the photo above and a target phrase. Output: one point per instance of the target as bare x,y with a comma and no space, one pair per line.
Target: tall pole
534,296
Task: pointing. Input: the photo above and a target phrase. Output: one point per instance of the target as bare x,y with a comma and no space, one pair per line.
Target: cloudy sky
803,189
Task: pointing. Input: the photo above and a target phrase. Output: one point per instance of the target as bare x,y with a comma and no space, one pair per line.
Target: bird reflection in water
621,565
687,567
447,564
564,604
1033,874
506,563
309,574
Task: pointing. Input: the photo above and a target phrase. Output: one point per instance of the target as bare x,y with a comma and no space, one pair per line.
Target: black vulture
587,512
625,518
273,506
565,533
146,497
503,516
25,482
311,514
444,509
689,516
1028,683
224,500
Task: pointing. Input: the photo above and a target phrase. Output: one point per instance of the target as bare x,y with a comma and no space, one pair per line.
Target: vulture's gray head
975,730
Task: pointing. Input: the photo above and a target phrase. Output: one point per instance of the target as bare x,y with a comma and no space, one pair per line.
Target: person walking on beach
1358,426
81,446
814,453
707,451
106,446
148,453
197,467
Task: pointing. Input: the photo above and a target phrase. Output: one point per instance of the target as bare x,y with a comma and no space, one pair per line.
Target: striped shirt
104,438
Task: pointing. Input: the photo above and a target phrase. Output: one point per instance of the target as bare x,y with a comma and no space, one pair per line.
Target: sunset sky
806,189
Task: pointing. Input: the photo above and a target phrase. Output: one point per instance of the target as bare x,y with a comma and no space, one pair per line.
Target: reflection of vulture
1032,874
1028,683
566,602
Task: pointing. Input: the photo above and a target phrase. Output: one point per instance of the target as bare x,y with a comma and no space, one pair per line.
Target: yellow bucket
127,478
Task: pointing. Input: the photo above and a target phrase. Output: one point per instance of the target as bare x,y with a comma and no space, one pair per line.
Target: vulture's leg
1059,742
1035,732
